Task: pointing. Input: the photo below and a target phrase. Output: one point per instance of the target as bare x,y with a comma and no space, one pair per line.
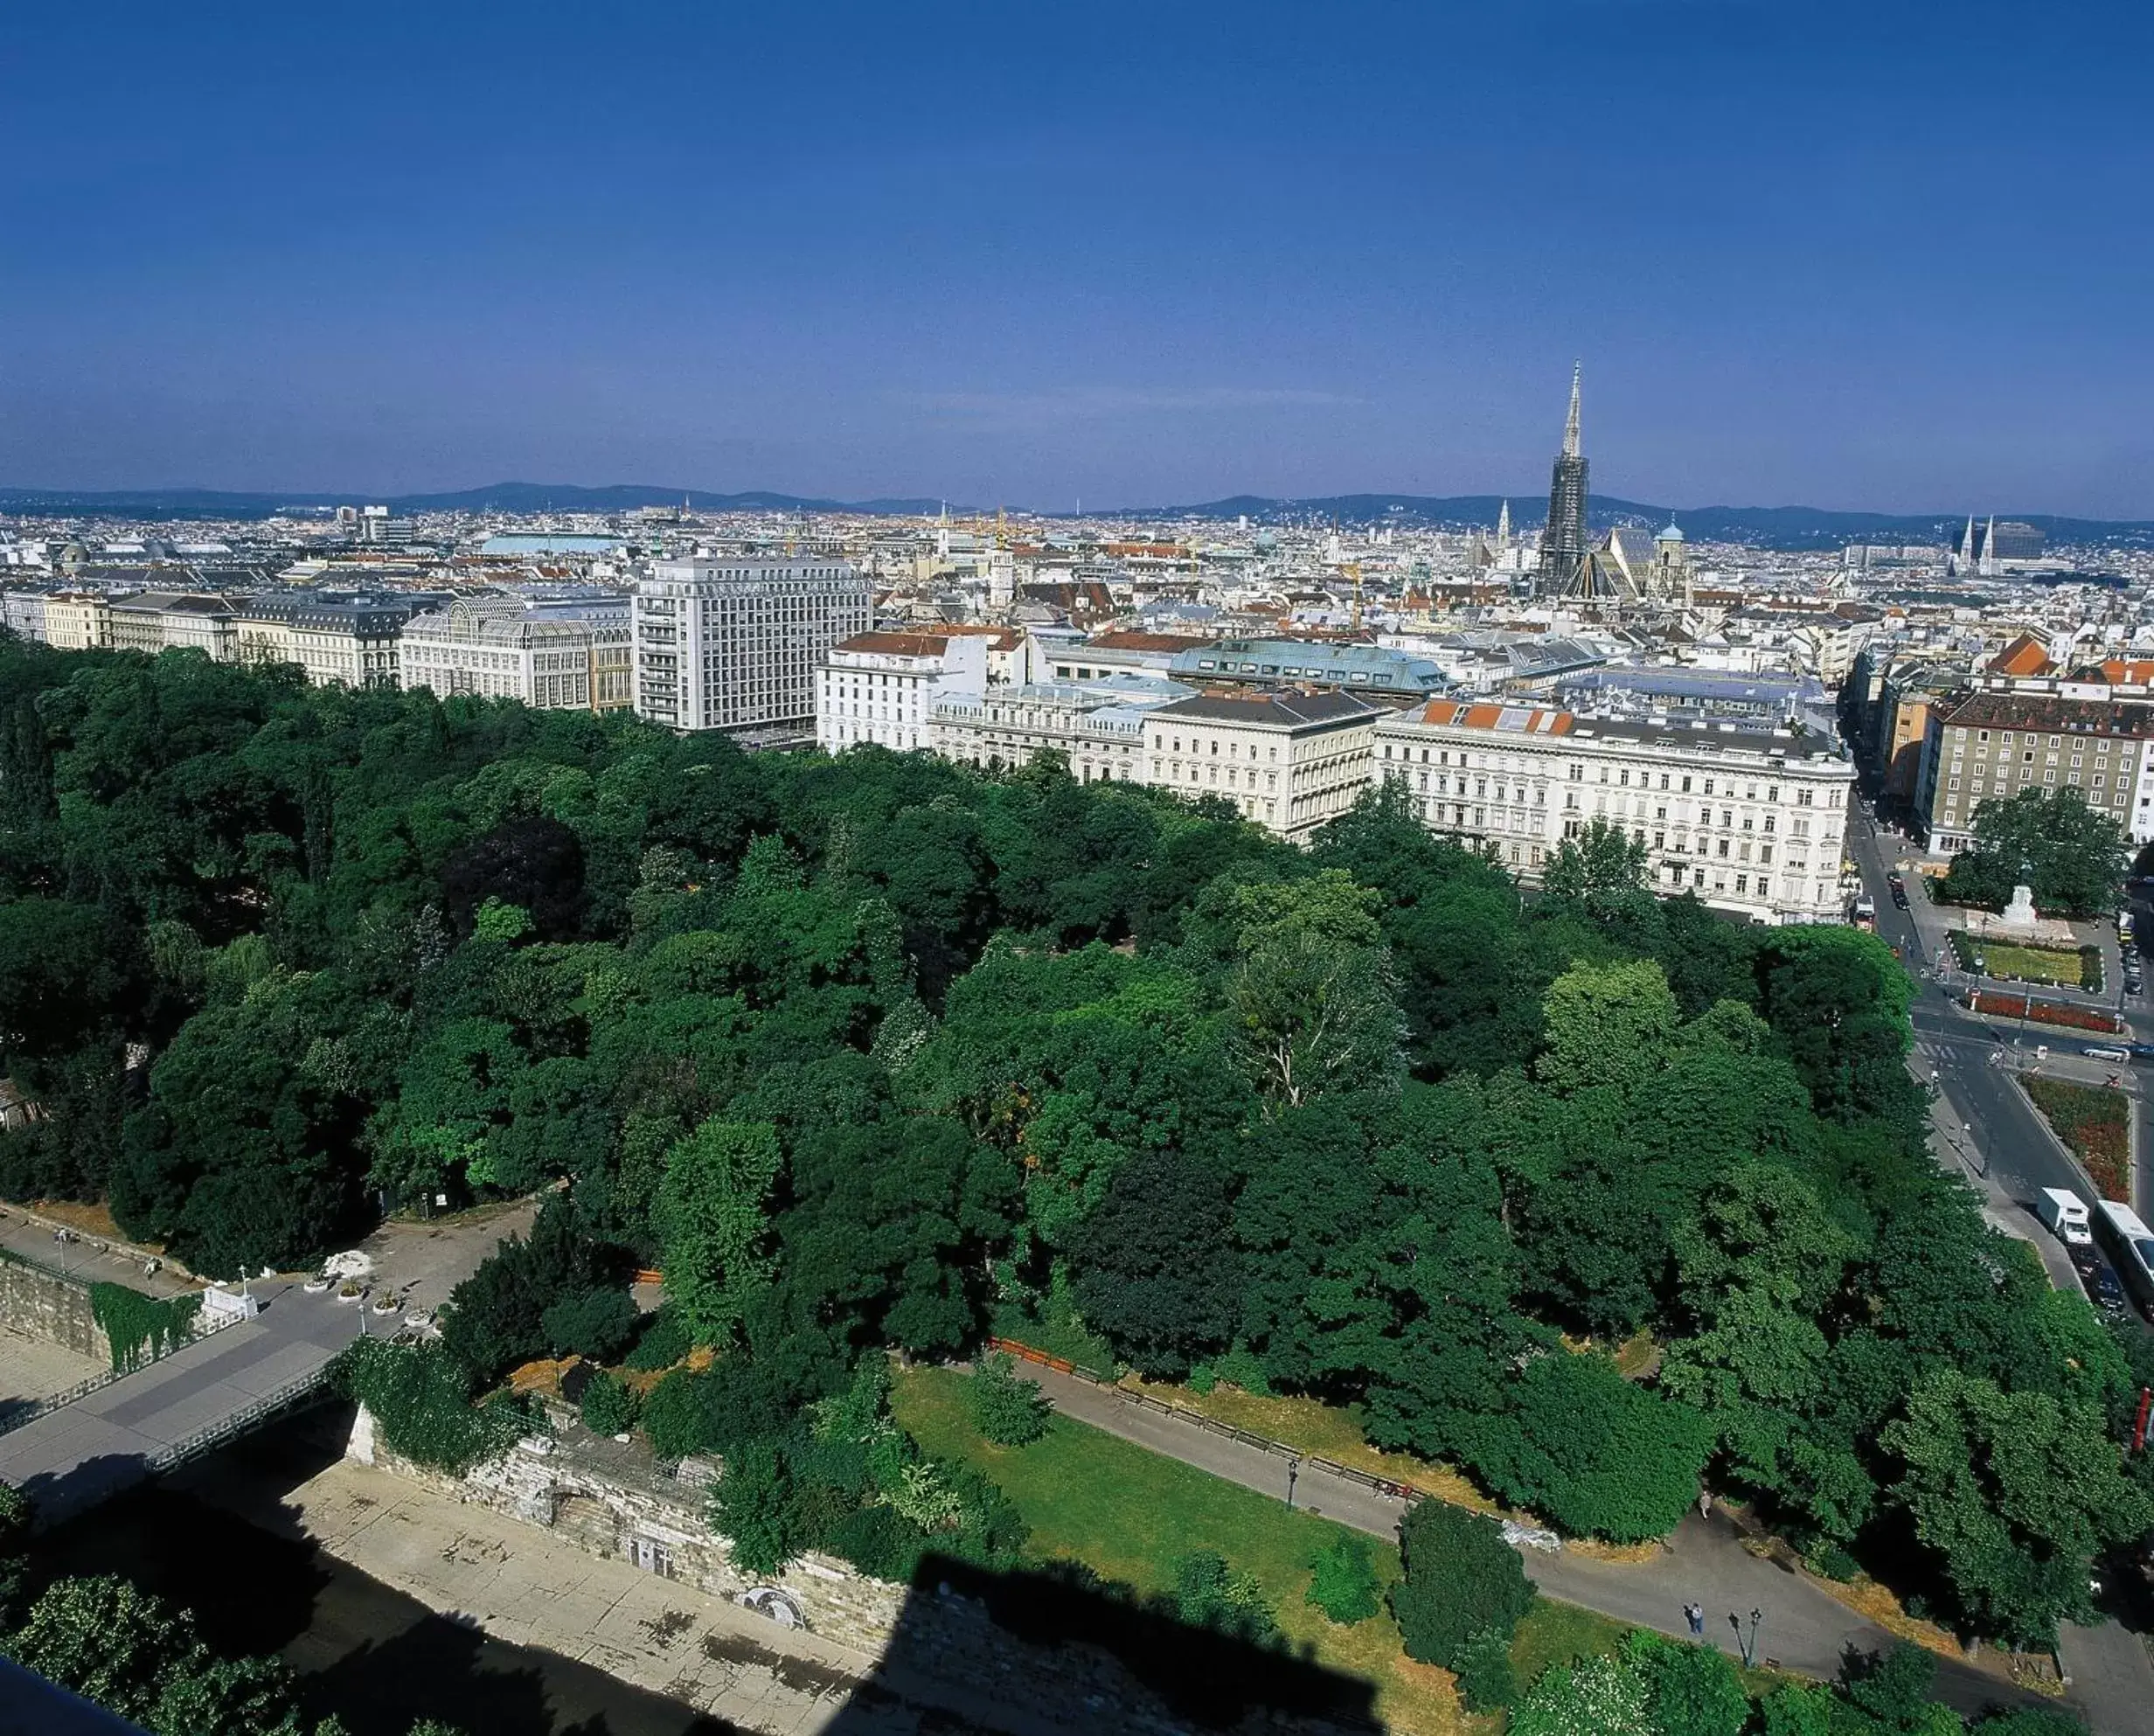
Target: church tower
1564,549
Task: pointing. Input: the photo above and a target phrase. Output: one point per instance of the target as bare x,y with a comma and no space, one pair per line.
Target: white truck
2064,1213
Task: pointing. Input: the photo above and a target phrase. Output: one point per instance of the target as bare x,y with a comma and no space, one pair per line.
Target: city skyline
1136,260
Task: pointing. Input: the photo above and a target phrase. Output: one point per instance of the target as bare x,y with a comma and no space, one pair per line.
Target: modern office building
1995,745
1750,820
732,641
556,654
1292,762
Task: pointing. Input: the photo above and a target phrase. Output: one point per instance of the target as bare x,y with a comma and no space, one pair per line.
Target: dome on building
1670,533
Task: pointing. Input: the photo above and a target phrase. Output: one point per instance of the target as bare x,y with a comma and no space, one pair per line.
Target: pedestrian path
1802,1628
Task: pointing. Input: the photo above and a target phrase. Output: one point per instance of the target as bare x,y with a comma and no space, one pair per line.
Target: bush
1238,1367
878,1541
1485,1678
595,1324
609,1406
1596,1697
14,1551
1006,1410
1345,1588
754,1508
1692,1689
1830,1561
1208,1593
664,1342
421,1403
1462,1581
675,1419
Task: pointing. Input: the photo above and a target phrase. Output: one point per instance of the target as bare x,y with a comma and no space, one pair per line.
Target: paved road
1985,1125
74,1457
1803,1628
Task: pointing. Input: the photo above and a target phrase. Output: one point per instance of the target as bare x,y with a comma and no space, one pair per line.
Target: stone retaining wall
937,1649
652,1526
43,1305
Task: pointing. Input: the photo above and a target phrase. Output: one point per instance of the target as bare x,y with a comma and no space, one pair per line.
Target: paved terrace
205,1392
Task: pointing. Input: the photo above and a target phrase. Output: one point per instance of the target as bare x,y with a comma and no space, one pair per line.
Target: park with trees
1599,1198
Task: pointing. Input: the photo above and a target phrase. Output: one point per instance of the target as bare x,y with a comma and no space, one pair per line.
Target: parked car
2086,1259
2105,1292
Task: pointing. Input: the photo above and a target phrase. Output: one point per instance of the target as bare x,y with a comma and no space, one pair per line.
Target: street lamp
1293,1468
1746,1646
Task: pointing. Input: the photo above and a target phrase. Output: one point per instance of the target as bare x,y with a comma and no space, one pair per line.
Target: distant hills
517,497
1773,527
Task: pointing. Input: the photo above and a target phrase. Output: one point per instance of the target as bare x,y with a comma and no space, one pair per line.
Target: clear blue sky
1888,255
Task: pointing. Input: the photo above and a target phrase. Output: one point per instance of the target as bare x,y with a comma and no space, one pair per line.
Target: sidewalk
89,1259
1804,1628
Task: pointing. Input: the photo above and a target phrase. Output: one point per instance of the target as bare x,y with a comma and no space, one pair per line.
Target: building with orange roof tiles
1750,821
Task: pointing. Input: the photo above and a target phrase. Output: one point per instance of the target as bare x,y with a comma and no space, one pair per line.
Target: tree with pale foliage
1312,996
1595,1697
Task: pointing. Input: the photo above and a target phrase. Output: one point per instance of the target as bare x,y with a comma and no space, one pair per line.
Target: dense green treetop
876,1052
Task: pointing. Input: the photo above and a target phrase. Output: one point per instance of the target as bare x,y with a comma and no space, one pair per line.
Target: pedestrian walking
1705,1503
1695,1614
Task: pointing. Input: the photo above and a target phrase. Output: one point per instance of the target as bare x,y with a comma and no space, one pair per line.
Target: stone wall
43,1305
939,1648
655,1522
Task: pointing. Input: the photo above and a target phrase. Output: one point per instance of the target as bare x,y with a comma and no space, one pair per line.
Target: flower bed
1999,1005
2095,1122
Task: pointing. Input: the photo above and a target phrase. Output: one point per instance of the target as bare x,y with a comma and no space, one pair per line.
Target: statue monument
2020,913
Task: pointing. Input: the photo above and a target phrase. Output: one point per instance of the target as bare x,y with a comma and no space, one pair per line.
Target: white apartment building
158,621
883,687
1751,821
555,655
1098,726
334,640
732,641
1292,762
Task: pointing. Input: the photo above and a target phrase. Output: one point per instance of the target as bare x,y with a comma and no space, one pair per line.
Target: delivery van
2065,1213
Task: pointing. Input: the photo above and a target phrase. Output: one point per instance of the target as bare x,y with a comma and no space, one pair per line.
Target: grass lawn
2021,963
2095,1121
1131,1515
1561,1633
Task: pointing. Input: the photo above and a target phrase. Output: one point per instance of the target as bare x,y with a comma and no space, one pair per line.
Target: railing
272,1404
97,1383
